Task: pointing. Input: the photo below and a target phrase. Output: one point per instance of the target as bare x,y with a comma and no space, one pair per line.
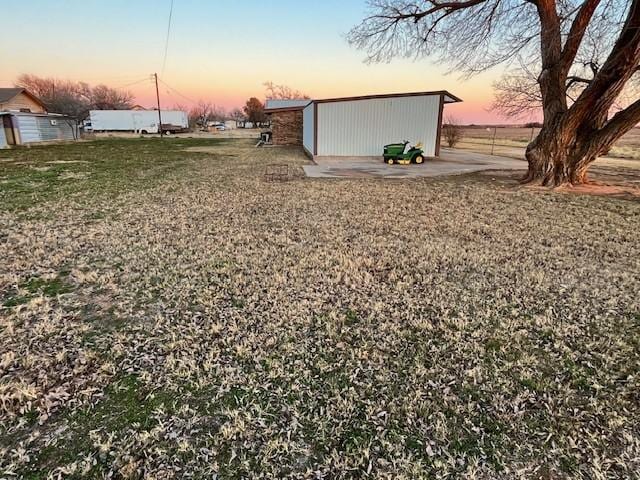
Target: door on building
7,125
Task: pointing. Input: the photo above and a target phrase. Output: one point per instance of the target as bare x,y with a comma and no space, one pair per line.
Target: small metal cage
277,172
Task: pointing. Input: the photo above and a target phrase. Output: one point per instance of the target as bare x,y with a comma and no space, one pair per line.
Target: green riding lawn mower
399,153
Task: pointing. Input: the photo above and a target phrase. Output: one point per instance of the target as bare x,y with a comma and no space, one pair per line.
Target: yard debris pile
212,323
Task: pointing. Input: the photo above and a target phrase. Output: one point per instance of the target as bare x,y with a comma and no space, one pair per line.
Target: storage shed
22,128
24,120
286,120
361,126
3,136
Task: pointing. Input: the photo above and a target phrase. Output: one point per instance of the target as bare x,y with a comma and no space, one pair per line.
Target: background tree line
74,99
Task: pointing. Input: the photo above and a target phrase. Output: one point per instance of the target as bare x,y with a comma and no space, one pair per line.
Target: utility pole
155,76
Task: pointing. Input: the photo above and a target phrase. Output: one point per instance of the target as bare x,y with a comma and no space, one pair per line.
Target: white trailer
143,121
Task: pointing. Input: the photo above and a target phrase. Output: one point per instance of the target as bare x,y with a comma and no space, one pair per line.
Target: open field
512,141
167,313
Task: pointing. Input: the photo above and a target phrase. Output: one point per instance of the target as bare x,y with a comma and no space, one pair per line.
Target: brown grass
214,324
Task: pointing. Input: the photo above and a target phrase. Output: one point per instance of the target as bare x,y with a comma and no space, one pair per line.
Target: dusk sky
219,51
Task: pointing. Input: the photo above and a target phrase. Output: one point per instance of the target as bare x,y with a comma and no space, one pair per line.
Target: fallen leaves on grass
223,325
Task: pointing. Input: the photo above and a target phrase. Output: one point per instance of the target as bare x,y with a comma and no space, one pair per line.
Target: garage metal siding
35,129
363,127
28,128
308,128
62,130
3,139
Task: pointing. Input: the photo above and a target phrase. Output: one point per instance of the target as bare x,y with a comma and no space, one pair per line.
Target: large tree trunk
562,152
573,137
559,157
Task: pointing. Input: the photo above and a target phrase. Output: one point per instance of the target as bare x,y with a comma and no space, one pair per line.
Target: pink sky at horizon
472,110
220,53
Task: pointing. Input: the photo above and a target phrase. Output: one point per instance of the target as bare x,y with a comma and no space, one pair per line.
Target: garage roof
278,105
273,106
448,97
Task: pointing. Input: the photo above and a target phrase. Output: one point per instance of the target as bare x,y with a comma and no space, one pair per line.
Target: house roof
7,94
448,97
285,104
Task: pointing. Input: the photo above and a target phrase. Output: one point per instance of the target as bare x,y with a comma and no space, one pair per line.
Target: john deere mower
399,153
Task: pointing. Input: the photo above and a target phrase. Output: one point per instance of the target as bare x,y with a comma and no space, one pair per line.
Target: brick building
286,126
286,120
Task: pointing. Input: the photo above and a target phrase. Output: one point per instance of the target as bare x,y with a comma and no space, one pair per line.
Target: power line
177,92
121,78
146,79
166,43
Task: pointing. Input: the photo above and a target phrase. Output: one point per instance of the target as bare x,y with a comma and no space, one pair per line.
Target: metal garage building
24,128
3,136
361,126
24,120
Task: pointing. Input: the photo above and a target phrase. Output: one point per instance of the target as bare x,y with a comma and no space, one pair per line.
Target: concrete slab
450,162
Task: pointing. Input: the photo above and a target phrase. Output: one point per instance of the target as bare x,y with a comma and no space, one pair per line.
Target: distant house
20,100
24,120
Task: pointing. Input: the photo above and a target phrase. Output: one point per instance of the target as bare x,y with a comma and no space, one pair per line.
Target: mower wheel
390,161
419,159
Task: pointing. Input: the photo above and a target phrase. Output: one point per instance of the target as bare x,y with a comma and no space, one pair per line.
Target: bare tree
200,114
59,96
74,99
282,92
581,54
102,97
452,131
218,114
181,107
517,94
237,115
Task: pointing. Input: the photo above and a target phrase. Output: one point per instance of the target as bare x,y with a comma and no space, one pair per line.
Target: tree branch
619,124
616,71
550,34
577,31
449,7
573,79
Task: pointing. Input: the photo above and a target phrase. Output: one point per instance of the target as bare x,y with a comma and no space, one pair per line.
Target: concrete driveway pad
450,162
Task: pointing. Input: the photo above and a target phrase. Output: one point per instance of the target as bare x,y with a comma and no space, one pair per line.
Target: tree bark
557,159
560,156
573,137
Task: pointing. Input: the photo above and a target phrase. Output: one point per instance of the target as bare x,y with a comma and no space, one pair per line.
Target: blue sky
218,51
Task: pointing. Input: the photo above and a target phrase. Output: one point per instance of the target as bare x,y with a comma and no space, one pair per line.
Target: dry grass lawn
167,313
